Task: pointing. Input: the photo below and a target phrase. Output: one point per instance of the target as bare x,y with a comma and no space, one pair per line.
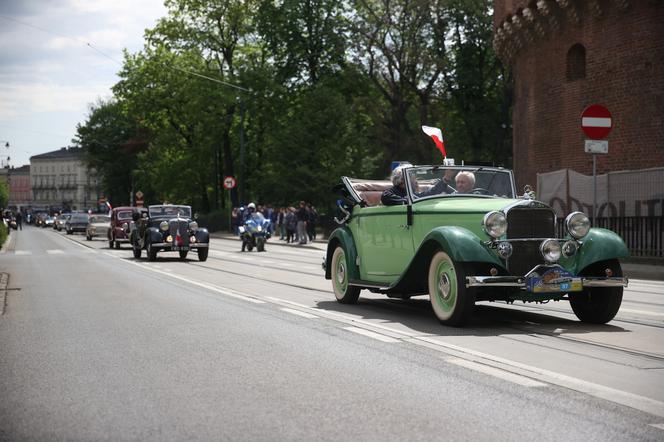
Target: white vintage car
98,225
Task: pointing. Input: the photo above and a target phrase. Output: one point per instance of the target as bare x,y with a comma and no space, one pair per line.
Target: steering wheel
479,191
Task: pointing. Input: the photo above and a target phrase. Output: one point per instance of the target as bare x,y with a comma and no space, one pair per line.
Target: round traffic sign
229,182
596,122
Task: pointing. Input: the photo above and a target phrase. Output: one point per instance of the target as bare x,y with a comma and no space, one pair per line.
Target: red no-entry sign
596,122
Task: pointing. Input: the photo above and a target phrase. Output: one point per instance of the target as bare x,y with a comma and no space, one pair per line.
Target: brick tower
568,54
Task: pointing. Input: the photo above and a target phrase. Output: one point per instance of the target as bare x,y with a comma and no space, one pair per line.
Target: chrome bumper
167,245
520,281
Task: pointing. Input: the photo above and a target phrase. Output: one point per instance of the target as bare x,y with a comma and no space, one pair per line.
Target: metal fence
644,235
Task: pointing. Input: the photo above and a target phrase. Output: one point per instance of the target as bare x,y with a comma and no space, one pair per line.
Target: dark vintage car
77,222
485,243
168,228
121,219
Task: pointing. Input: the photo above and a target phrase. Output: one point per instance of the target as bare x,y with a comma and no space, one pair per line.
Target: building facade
20,190
61,180
568,54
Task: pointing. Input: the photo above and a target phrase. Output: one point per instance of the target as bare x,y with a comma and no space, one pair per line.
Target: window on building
576,63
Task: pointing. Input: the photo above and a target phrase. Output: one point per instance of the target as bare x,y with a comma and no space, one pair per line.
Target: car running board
368,284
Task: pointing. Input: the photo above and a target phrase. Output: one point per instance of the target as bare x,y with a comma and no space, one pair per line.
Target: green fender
459,243
342,236
597,245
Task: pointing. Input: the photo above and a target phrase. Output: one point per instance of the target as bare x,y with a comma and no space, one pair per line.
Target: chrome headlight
570,248
125,227
163,226
193,226
495,224
259,228
577,224
550,249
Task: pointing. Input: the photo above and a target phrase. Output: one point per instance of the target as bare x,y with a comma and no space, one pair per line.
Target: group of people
464,182
293,225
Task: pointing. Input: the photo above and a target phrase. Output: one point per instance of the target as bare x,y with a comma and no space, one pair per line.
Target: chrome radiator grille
179,226
523,223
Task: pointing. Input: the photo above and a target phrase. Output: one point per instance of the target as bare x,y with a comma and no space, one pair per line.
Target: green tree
112,140
4,195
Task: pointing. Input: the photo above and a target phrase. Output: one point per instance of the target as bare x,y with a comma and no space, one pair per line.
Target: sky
49,74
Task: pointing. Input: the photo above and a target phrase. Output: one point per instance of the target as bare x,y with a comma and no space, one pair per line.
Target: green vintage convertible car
458,248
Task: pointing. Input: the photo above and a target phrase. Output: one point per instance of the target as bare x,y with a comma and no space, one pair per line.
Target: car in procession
121,219
167,228
98,225
484,244
77,222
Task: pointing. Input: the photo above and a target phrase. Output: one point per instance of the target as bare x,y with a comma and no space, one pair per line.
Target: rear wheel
598,305
343,291
183,254
202,254
451,300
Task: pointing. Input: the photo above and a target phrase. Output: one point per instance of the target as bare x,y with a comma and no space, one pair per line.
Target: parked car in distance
98,225
121,221
77,222
483,244
168,228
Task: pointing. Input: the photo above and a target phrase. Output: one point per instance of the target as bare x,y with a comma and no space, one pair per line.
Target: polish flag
437,137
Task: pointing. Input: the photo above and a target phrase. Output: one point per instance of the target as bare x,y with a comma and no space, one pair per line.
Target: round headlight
577,224
163,225
495,224
193,225
550,249
570,248
125,227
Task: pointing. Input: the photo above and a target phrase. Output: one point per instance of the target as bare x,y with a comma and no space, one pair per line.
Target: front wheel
451,300
137,251
260,244
598,305
183,254
202,254
110,243
152,253
343,291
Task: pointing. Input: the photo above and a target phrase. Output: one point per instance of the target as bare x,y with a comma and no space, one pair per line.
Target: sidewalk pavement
636,269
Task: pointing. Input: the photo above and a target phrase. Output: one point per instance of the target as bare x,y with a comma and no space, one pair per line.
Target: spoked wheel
451,301
202,254
343,291
183,254
598,305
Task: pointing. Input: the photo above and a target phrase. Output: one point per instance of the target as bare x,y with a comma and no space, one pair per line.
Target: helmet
251,206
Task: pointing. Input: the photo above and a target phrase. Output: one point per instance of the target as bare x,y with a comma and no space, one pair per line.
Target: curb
4,281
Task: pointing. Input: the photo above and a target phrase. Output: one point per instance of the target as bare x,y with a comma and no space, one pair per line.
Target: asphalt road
95,345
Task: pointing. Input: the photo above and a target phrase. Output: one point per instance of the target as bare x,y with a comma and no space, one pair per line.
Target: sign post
139,199
596,123
229,183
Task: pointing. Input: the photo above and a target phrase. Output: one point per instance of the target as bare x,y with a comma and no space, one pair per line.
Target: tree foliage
289,95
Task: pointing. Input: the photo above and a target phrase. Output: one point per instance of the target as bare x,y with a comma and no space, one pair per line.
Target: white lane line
22,252
55,252
225,292
660,426
632,400
640,312
370,334
298,313
500,374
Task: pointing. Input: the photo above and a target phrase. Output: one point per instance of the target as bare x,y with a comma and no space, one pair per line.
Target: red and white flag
437,136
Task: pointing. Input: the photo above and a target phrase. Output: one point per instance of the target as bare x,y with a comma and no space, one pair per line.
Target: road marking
299,313
660,426
640,312
370,334
632,400
491,371
55,252
23,252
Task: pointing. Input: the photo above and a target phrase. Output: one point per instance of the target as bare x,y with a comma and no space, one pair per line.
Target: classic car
168,228
459,248
98,225
77,222
121,219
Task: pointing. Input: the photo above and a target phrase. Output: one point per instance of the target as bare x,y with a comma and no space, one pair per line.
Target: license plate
553,281
179,249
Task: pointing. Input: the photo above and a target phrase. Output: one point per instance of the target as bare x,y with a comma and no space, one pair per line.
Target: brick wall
624,72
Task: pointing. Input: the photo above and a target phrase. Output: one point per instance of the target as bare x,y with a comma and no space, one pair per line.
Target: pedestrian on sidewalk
302,218
19,220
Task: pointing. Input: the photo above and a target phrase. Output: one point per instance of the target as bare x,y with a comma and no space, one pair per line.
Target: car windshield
182,211
79,217
451,181
124,215
100,219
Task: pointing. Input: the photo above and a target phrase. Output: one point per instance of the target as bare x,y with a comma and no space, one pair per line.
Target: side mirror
196,215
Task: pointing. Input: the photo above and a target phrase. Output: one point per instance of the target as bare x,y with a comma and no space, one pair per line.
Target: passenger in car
396,194
465,181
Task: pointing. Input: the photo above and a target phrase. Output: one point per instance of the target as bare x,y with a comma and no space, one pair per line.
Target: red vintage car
120,220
